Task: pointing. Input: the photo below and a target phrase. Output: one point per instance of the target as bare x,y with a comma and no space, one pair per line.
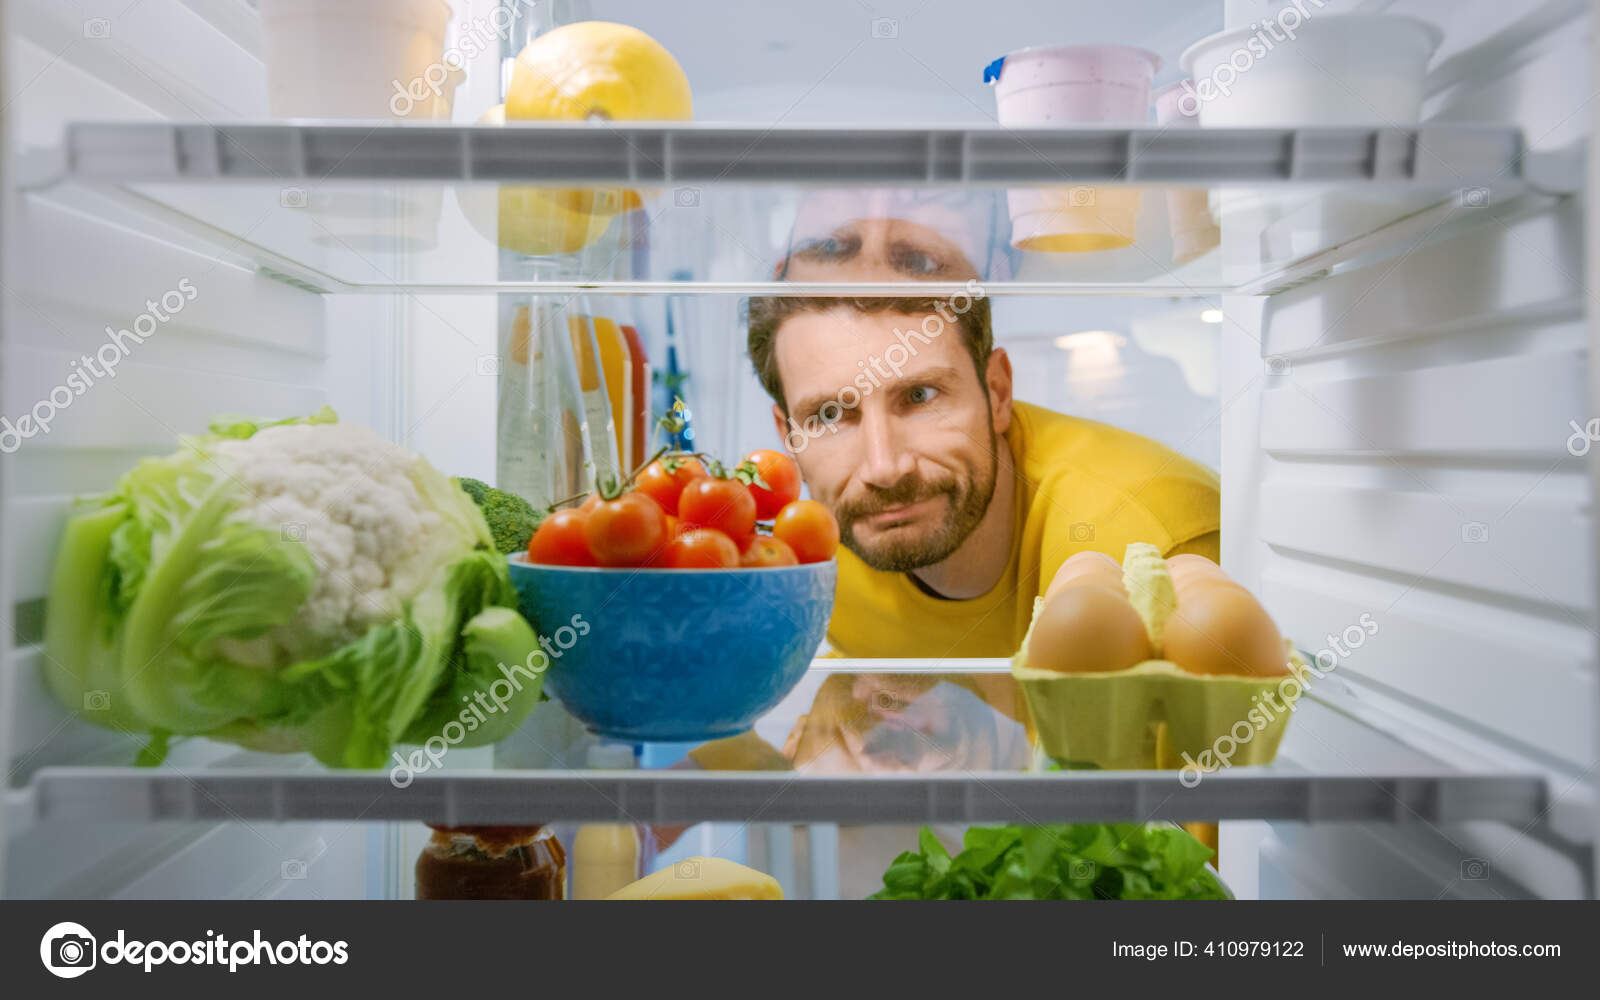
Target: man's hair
767,314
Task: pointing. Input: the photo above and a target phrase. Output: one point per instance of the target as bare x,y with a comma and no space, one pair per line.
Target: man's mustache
907,491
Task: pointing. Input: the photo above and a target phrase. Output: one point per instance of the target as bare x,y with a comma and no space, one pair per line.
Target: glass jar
492,862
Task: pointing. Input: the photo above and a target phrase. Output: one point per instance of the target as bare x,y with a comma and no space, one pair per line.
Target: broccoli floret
511,518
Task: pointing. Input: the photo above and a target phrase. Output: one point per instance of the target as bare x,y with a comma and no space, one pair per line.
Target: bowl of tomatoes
686,601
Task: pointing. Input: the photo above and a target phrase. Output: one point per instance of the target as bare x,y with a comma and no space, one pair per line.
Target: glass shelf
907,742
704,208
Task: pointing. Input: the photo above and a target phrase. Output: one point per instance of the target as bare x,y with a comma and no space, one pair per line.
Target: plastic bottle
605,856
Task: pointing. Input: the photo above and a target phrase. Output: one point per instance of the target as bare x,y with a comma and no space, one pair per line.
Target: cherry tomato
809,529
767,551
560,541
781,474
701,548
664,486
627,531
591,503
723,504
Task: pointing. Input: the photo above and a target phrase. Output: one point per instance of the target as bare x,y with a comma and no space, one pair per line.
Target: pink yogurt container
1076,85
1194,231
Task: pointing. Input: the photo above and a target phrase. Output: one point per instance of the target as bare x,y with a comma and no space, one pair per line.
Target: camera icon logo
68,950
293,868
1475,532
489,364
1278,366
292,531
97,701
885,27
1476,197
1081,531
883,701
686,197
97,27
1080,197
1081,869
292,198
686,869
1474,869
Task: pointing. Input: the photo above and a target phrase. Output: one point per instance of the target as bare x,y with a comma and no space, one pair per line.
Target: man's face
879,250
900,446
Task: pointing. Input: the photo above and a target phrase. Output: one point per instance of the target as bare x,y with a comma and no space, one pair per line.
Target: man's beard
968,502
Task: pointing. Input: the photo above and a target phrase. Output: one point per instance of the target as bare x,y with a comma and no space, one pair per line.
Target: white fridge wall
78,266
1396,445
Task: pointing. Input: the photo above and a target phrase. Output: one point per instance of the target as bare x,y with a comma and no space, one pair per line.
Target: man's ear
997,375
780,421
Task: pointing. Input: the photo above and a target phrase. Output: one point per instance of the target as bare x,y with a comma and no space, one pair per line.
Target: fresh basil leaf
933,852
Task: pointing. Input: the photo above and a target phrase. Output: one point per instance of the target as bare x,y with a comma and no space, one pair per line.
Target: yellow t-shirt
1081,485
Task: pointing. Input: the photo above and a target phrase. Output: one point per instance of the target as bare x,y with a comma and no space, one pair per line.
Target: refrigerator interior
1390,395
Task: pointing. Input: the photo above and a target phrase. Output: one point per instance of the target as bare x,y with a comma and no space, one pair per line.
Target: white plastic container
367,59
1074,84
1316,69
1194,230
357,58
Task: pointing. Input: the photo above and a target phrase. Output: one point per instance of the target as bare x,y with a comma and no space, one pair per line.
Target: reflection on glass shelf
1188,242
856,742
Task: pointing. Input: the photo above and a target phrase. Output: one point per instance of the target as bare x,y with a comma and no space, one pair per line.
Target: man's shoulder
1064,456
1056,443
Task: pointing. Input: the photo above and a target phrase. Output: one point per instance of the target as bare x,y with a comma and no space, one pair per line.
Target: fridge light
1088,340
1211,315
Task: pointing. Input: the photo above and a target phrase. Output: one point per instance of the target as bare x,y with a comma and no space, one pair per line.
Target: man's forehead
844,339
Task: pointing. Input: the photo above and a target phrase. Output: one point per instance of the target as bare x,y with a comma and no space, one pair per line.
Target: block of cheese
703,878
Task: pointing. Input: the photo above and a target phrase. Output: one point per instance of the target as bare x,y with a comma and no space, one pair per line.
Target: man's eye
832,248
916,262
922,394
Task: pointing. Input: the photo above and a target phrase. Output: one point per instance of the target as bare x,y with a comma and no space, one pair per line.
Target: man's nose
887,461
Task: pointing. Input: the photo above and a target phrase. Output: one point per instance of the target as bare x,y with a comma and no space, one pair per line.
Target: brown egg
1086,567
1183,568
1220,628
1087,628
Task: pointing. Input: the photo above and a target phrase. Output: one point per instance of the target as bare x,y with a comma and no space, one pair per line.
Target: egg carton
1156,715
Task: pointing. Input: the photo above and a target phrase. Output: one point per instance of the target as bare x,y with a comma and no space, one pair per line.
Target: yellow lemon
596,69
536,220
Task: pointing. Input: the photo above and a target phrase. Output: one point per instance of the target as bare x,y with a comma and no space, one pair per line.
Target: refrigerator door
1407,485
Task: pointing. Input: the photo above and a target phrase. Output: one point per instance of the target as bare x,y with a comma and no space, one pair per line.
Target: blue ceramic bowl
674,655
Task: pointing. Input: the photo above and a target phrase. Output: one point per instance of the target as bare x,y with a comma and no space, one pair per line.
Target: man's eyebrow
942,375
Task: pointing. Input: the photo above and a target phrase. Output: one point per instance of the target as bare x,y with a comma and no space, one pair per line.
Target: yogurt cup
1078,85
1327,69
1194,231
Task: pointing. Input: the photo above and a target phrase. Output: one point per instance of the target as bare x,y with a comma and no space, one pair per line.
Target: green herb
1077,861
